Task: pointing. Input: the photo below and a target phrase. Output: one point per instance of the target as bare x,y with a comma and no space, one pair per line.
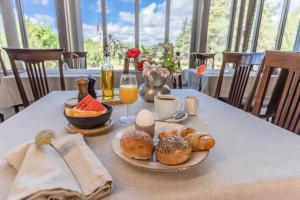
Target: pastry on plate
173,150
167,133
200,141
137,145
184,131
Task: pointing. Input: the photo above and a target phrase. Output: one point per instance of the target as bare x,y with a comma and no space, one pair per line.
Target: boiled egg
144,118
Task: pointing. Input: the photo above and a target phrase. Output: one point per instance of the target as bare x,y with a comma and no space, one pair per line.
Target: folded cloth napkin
72,172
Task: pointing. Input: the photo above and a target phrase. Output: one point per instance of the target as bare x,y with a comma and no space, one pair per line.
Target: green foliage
269,26
219,15
41,36
94,53
291,28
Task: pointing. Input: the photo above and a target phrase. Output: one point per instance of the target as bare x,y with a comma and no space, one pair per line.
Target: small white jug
191,105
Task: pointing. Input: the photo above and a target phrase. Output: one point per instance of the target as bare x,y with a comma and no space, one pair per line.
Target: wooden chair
243,64
4,71
74,59
178,78
34,61
285,99
202,58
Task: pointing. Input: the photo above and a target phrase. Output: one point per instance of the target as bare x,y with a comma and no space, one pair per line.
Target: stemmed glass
128,93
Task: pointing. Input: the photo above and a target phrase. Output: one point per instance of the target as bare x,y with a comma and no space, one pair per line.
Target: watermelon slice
88,103
84,102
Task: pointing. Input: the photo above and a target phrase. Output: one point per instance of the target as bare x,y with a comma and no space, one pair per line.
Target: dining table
252,158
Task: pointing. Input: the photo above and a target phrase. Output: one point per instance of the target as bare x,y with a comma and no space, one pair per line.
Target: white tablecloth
210,78
9,93
252,159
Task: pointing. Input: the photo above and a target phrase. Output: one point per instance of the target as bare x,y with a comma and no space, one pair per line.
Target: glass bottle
107,77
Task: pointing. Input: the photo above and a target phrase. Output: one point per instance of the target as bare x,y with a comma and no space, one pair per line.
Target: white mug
191,105
166,105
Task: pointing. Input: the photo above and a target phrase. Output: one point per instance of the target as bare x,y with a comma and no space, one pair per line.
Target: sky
120,17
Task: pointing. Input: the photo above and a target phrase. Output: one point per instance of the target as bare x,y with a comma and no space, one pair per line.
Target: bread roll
137,145
173,150
200,141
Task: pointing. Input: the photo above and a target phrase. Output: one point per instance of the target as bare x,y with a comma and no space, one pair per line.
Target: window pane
120,26
92,32
40,18
180,27
2,33
152,22
291,27
219,16
3,43
269,24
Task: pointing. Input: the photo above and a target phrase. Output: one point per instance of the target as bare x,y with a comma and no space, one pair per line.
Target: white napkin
44,174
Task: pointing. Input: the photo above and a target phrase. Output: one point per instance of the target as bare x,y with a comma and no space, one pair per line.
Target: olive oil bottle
107,77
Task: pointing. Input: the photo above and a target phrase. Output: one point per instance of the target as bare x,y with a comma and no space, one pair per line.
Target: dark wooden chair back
34,62
4,71
76,59
286,92
177,80
202,58
243,64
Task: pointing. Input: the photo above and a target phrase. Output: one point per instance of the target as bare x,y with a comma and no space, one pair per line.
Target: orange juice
128,93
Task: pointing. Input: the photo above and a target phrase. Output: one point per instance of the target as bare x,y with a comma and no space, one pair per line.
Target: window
180,28
2,33
219,16
92,32
120,27
269,24
291,27
152,22
41,26
3,42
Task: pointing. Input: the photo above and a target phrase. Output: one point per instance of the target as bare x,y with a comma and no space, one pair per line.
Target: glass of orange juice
128,93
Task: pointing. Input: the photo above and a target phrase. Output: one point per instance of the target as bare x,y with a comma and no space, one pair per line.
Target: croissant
200,141
184,131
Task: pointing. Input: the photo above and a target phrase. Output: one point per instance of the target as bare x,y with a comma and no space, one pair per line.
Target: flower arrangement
159,58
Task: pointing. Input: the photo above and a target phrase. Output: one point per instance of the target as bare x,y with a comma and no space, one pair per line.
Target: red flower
133,53
140,65
201,69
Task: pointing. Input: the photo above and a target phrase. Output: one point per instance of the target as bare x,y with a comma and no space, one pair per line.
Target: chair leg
16,108
1,117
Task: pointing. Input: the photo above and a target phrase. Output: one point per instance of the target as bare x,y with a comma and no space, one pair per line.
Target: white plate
152,164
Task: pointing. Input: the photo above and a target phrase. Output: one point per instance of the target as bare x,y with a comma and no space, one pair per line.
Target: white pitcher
191,105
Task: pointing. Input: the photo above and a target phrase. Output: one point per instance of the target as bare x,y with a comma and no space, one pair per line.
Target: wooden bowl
91,122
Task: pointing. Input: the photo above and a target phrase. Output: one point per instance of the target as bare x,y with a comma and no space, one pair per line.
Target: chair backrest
243,64
286,93
34,62
4,71
177,80
202,58
76,59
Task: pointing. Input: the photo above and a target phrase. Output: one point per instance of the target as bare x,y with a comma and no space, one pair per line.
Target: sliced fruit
95,106
73,112
84,102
